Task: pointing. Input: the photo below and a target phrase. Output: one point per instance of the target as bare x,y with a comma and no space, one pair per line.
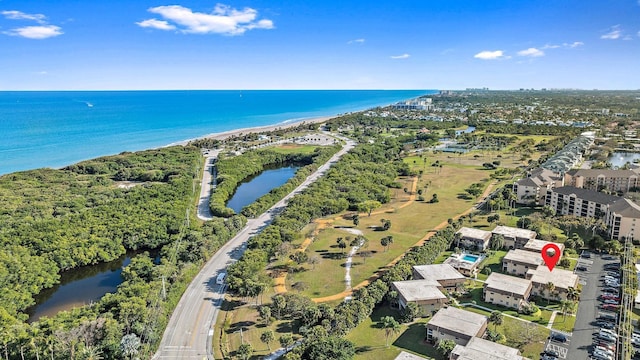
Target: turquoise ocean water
55,129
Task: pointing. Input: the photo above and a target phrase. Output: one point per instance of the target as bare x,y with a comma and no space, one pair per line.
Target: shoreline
256,129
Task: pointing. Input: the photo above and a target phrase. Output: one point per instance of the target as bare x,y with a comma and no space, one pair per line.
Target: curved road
189,332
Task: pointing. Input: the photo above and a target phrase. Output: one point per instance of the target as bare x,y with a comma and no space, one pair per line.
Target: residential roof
474,233
438,272
459,321
626,208
508,284
407,356
514,232
591,173
419,290
562,279
536,245
586,194
524,257
478,348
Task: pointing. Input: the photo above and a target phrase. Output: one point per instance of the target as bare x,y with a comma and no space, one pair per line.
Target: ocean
58,128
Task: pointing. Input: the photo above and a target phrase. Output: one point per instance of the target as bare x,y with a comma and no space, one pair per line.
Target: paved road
189,332
208,176
582,339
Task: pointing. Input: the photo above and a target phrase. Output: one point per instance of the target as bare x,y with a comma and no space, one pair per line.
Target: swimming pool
470,258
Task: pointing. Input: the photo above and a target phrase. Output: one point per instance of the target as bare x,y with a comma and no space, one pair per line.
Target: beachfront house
505,290
456,324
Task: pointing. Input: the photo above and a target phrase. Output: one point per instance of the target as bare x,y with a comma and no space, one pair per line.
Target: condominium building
475,238
569,200
602,179
425,293
517,262
533,188
505,290
481,349
456,324
514,238
561,279
448,277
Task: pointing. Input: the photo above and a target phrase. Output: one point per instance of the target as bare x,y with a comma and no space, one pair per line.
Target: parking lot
561,348
588,309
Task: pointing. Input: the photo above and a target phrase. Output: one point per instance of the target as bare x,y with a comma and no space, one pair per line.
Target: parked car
585,255
606,337
610,307
605,345
605,350
609,297
602,355
610,290
548,357
581,268
609,301
558,337
606,325
550,352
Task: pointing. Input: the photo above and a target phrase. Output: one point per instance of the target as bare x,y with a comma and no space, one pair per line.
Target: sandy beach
258,129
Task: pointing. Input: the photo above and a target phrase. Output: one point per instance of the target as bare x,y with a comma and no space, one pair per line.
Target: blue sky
300,44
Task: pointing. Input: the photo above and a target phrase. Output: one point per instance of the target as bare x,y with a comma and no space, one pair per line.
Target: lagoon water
254,187
55,129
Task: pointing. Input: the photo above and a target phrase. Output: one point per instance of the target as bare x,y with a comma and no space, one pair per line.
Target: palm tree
565,305
496,318
390,326
267,338
573,293
549,287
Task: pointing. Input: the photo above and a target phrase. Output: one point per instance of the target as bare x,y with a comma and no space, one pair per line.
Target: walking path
206,186
551,319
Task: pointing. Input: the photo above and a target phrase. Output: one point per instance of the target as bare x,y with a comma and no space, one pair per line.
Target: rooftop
536,245
474,233
586,194
508,231
589,173
562,279
508,284
419,290
458,320
438,272
407,356
478,348
626,208
524,256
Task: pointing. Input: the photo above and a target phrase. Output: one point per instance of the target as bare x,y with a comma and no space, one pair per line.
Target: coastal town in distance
406,231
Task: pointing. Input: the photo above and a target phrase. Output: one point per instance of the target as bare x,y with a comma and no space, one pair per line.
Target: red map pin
551,255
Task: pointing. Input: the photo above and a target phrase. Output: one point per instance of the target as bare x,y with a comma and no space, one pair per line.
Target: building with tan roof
456,324
474,238
425,293
481,349
518,262
445,274
505,290
561,279
514,238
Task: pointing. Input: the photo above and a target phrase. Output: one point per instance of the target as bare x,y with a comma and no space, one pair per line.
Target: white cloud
36,32
548,46
403,56
574,44
614,33
489,55
355,41
223,20
156,24
531,52
19,15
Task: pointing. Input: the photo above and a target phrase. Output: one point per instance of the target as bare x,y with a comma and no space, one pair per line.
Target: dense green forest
232,170
91,212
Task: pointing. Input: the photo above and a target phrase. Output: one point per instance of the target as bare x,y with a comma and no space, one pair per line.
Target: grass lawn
526,336
564,324
494,262
475,294
371,343
408,225
294,148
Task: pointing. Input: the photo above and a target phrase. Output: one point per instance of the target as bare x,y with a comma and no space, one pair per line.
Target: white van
220,278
